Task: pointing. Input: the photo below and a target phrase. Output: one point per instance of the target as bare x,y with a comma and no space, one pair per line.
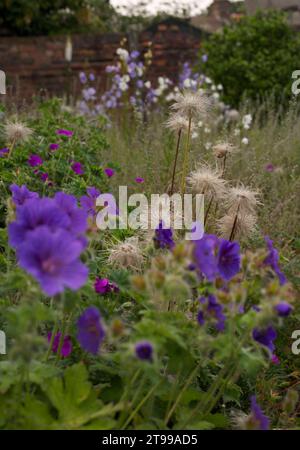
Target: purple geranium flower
163,237
144,350
229,259
205,252
53,147
4,151
139,180
77,216
104,286
283,309
265,337
21,194
35,160
88,202
66,348
77,168
272,260
109,172
212,310
52,258
36,212
260,421
63,132
90,330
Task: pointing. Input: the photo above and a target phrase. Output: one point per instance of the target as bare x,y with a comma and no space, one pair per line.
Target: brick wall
33,64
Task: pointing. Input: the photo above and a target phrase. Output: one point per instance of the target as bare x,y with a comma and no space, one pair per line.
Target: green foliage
38,17
254,58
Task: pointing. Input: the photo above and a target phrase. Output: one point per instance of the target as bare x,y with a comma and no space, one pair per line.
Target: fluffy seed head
17,131
126,254
245,224
192,104
242,199
176,122
223,149
205,180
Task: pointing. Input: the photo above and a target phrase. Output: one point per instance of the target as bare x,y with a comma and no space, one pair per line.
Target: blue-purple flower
229,259
163,237
77,216
272,260
217,257
90,330
211,310
3,152
88,202
205,256
283,309
265,337
20,194
258,420
144,350
52,258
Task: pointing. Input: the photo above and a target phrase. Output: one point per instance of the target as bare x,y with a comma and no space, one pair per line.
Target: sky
153,6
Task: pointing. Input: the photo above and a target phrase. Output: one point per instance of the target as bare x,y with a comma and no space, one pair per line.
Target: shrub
254,58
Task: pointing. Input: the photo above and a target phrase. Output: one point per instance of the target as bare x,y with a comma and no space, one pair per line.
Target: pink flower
63,132
35,160
103,286
139,180
269,167
77,168
66,346
109,172
53,147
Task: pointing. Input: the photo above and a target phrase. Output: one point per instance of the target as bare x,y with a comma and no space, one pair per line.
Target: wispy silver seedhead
191,104
243,224
222,149
17,131
177,122
242,199
126,254
204,180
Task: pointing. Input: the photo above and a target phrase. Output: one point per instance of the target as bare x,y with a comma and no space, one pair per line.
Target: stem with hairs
175,161
186,155
233,230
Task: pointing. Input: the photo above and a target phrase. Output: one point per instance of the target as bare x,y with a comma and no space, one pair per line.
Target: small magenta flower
21,194
163,237
229,260
90,330
258,420
35,160
139,180
104,286
269,168
53,147
77,168
4,152
109,172
272,260
44,176
66,348
283,309
275,360
265,337
63,132
144,350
